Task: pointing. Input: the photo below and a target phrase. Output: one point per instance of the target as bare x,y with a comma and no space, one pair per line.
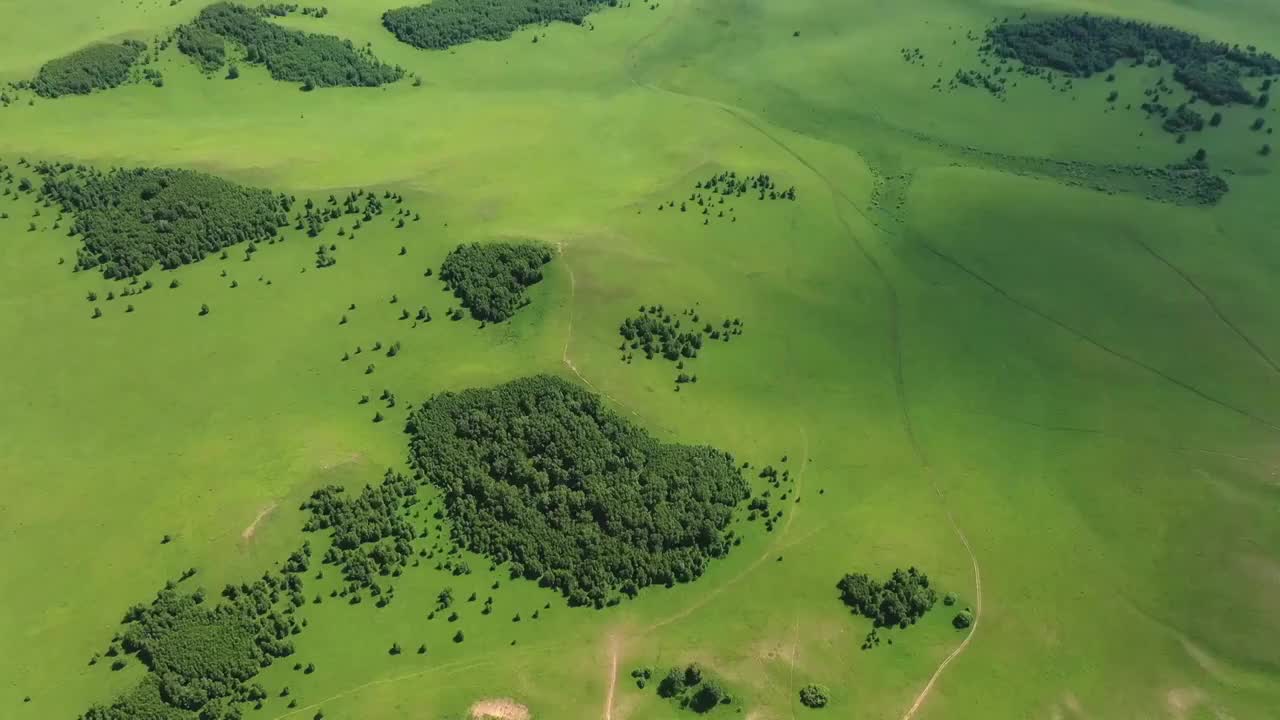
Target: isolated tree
458,637
233,72
97,313
963,619
1265,151
814,696
204,309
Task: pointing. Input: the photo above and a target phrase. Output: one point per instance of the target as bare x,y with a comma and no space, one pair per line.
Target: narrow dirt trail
568,337
613,678
973,629
838,196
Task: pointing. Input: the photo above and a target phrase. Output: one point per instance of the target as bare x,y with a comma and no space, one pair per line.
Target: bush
96,67
490,279
814,696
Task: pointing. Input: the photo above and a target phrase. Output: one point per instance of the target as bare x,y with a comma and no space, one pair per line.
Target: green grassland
1081,385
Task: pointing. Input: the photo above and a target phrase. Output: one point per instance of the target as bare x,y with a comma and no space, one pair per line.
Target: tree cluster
1082,45
96,67
728,183
901,601
292,55
654,331
132,218
201,659
691,686
1183,120
445,23
371,537
490,279
538,473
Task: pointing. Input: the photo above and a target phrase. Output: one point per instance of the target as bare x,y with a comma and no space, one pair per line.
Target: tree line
97,67
1081,45
445,23
292,55
538,473
130,219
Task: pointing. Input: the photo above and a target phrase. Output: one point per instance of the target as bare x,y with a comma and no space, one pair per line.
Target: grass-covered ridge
292,55
445,23
97,67
133,218
539,473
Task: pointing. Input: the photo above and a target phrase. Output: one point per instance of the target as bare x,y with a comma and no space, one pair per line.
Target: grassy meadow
1085,385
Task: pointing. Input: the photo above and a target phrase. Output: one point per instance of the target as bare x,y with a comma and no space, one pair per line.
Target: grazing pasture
1002,422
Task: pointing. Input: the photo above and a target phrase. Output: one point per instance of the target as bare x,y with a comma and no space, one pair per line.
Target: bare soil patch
499,709
248,533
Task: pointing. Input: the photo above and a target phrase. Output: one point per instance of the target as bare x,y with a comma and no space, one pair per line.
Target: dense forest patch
202,656
656,332
132,218
538,473
292,55
1081,45
490,279
96,67
445,23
